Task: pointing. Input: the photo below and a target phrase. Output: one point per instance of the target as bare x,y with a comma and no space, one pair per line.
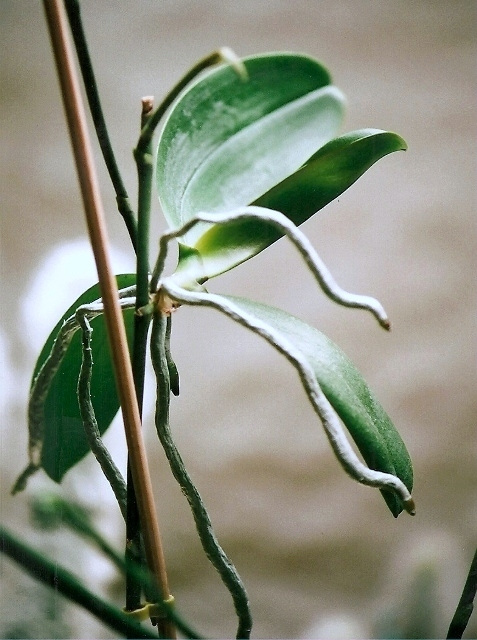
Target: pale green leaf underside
228,141
267,141
255,160
322,178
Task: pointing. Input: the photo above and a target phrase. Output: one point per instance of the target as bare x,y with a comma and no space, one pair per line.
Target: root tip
410,506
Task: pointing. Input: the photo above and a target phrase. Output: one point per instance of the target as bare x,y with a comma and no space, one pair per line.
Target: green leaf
64,442
369,425
329,172
227,141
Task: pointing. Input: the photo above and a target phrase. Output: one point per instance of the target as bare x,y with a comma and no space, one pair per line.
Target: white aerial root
331,423
297,237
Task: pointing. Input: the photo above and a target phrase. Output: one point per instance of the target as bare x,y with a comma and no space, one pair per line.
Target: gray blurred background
320,555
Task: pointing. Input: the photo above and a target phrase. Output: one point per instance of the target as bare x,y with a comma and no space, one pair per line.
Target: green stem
124,206
145,168
209,542
220,56
134,549
466,603
141,325
53,575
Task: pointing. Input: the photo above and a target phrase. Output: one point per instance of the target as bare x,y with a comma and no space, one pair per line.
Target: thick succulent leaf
329,172
228,141
65,443
369,425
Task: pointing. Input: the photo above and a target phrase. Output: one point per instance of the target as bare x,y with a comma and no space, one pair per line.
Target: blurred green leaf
64,442
369,425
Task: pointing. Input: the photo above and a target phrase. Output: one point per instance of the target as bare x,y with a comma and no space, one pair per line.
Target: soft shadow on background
320,554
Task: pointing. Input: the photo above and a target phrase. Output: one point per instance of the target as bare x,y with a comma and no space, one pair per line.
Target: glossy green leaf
64,442
329,172
228,141
369,425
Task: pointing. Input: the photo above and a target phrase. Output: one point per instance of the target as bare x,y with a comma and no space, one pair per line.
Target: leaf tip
401,144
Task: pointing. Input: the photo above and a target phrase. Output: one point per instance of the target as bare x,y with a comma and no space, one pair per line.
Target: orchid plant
248,149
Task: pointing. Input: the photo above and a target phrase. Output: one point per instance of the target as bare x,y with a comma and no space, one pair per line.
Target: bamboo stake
76,119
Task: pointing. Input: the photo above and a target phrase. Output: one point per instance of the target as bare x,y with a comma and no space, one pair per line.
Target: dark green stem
124,206
217,57
51,574
145,169
141,326
466,603
209,542
134,549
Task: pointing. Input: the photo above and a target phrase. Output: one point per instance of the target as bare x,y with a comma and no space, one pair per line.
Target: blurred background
320,555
